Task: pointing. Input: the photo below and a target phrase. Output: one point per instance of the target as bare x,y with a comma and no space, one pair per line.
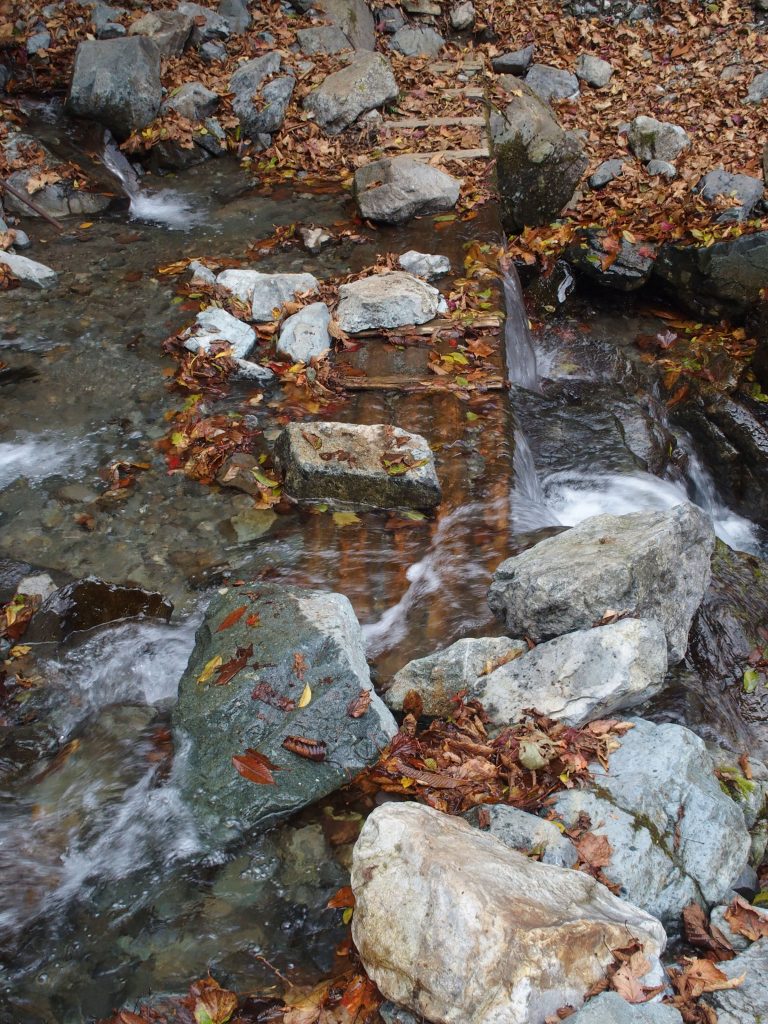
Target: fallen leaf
229,670
209,668
345,518
231,619
305,698
743,919
358,707
255,767
342,899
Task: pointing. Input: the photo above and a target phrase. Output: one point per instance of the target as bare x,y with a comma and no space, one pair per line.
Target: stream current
104,897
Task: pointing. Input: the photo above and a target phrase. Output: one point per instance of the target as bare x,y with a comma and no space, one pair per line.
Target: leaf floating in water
232,618
345,518
215,1005
209,668
255,767
228,671
312,750
358,707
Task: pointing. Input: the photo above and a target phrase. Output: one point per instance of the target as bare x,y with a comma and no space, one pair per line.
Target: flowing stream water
105,897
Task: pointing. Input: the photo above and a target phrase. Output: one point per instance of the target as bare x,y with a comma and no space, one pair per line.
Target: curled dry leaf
743,919
312,750
255,767
358,707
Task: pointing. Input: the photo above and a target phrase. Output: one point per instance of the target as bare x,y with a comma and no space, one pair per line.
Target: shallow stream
104,898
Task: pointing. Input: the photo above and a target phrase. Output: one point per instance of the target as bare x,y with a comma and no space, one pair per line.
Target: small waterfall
518,343
530,510
166,207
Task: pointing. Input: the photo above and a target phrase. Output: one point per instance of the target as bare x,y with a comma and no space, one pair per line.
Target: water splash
38,456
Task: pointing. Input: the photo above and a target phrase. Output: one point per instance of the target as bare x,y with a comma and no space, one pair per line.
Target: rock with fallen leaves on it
193,101
622,265
516,62
46,181
745,191
322,39
722,279
353,18
525,833
654,564
610,1008
538,165
395,189
551,83
117,83
744,1004
675,836
424,264
214,325
650,139
276,707
719,918
417,41
605,173
438,677
265,293
371,465
594,70
420,876
28,271
169,30
208,26
391,299
588,674
366,83
304,336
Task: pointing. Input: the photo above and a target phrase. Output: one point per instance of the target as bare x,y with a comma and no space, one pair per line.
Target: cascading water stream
518,344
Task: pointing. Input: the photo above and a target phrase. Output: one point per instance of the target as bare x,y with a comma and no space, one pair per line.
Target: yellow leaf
346,917
306,697
210,668
20,650
87,224
345,518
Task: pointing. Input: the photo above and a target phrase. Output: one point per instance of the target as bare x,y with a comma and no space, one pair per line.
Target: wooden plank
472,92
442,66
402,384
435,122
454,154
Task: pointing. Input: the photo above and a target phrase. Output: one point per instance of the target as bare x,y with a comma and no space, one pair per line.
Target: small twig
272,967
31,204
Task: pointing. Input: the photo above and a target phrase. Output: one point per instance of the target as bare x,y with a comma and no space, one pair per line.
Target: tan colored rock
455,926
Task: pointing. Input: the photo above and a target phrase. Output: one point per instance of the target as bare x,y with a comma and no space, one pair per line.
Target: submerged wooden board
404,385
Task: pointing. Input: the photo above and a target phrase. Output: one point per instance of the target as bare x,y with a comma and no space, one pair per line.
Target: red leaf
255,767
231,619
230,668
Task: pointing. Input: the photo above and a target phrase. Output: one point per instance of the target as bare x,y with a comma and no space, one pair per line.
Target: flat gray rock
654,565
605,173
213,28
745,1004
516,62
265,293
675,835
236,15
365,84
424,264
28,271
117,83
322,39
661,168
588,674
610,1008
216,325
650,139
304,665
353,18
193,101
745,191
758,89
417,41
552,83
391,299
345,463
169,30
525,833
594,70
395,189
440,905
304,336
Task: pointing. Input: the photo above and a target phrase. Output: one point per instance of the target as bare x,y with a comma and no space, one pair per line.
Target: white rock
304,335
391,299
265,292
455,926
28,271
201,274
424,264
40,585
215,324
593,70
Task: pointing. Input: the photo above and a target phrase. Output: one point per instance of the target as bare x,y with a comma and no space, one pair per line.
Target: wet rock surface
379,466
622,563
295,639
419,875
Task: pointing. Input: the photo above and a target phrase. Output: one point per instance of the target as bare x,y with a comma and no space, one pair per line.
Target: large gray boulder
454,926
117,83
265,293
650,139
655,565
303,674
675,835
610,1008
395,189
724,279
525,833
304,336
538,165
391,299
594,70
746,1003
365,84
379,466
353,18
169,30
584,675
